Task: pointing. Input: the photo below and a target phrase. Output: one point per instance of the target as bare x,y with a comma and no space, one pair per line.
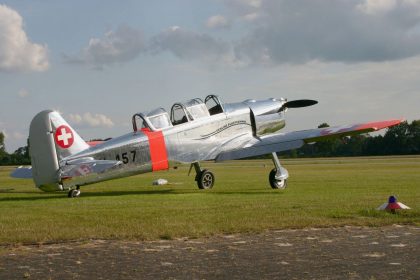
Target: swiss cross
64,137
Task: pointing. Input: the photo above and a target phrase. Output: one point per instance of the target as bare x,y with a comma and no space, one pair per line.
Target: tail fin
51,139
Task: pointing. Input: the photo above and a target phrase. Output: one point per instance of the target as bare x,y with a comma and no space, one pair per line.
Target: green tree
20,156
3,153
327,147
414,137
2,146
351,146
395,141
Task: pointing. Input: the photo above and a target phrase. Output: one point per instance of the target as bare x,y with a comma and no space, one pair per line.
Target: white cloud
122,45
254,3
251,3
12,138
75,118
244,9
374,7
217,21
251,16
189,45
17,53
18,136
377,6
23,93
91,120
345,31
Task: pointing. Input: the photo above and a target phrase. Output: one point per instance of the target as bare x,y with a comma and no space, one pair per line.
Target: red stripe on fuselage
158,152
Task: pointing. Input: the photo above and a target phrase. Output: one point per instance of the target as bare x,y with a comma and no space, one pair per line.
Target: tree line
18,157
402,139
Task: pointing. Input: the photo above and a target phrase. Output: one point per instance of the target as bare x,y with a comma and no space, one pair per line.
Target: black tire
205,180
74,193
274,183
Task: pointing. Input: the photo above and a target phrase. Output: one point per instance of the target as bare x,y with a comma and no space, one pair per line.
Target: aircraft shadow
274,192
120,193
59,195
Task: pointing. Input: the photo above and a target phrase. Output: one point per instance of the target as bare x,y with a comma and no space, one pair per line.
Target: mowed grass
321,193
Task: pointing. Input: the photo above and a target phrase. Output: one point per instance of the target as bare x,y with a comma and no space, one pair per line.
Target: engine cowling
266,116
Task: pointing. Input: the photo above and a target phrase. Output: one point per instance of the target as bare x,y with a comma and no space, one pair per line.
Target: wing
296,139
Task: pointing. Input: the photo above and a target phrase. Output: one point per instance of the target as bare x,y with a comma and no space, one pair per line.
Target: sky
99,62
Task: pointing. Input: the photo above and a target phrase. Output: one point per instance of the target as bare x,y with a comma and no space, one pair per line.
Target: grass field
321,193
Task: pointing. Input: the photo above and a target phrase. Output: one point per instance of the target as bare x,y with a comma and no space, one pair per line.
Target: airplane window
138,123
160,121
178,115
198,111
213,105
193,102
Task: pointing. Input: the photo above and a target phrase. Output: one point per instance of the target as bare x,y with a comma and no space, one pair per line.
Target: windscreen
160,121
198,111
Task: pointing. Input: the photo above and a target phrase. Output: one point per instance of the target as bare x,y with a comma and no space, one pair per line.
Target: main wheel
275,183
74,193
205,180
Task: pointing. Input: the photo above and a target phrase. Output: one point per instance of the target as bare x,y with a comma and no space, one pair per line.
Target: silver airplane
191,132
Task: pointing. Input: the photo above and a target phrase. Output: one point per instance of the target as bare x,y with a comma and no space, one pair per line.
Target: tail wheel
205,179
275,183
74,193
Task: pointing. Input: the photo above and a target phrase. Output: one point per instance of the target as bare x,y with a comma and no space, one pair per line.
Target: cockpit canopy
159,118
188,111
155,120
197,108
180,113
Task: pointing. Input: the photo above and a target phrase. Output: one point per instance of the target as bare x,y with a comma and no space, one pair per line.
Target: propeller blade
298,103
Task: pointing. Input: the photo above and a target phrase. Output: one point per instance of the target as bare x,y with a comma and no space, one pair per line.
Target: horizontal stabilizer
22,172
86,166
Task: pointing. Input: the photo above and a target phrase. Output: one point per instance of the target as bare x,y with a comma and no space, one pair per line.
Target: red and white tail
51,139
67,140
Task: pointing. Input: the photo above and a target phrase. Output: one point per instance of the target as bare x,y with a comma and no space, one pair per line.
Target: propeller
298,103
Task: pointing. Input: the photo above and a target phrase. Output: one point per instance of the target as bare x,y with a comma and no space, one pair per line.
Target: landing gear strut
204,178
278,175
74,192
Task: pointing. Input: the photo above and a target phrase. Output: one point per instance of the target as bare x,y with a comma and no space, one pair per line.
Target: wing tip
375,126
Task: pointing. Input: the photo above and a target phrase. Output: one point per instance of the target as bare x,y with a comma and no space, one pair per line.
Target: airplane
192,132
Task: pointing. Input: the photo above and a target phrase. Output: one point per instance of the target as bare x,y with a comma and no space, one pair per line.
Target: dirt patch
331,253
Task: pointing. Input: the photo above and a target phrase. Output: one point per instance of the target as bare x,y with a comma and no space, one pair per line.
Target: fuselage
200,138
191,132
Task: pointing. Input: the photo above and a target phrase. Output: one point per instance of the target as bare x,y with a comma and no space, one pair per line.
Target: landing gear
204,178
274,183
74,192
278,175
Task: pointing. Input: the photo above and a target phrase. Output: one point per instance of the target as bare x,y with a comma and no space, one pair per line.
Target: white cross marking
64,137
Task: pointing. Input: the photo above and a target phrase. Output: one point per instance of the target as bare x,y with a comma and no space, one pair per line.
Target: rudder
51,139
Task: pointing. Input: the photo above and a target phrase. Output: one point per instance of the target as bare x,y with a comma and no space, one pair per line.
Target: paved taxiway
391,252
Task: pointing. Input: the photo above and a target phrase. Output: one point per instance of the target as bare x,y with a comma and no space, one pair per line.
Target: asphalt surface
331,253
